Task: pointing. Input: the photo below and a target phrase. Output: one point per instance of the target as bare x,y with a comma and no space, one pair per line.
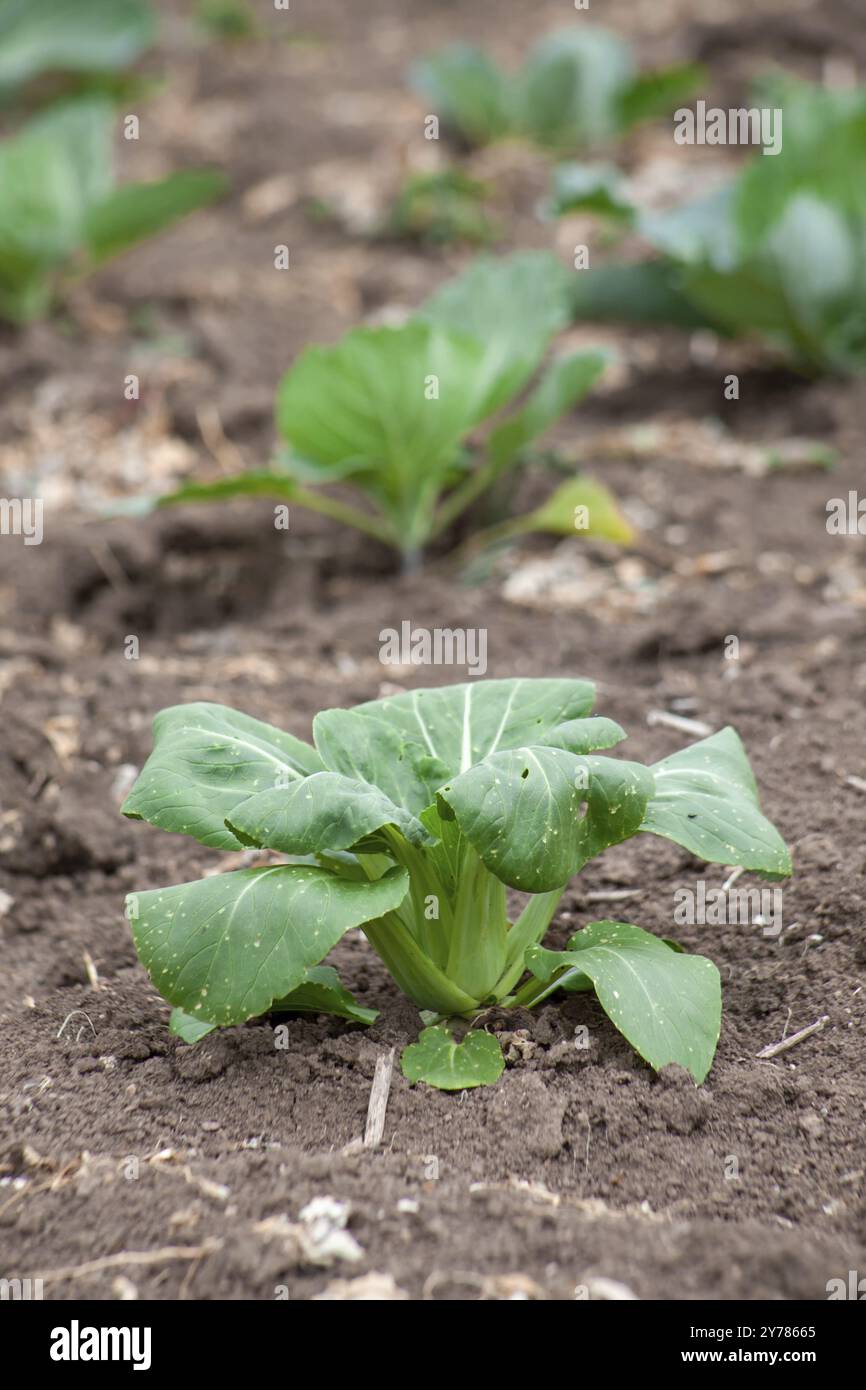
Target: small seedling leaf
581,507
451,1066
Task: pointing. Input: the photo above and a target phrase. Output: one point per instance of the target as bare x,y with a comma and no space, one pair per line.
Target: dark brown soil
581,1163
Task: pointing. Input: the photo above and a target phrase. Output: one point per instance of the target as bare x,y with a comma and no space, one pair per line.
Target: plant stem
478,942
410,561
530,994
535,991
527,931
343,512
463,495
493,535
417,976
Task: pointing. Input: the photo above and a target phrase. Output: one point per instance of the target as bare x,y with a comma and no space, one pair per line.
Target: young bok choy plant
392,414
410,818
578,88
62,213
779,252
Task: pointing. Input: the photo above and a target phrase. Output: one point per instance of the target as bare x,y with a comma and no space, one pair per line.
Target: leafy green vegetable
780,252
391,413
536,288
578,87
443,207
70,36
409,818
60,212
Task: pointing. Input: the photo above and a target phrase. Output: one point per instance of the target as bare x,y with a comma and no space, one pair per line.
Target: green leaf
258,482
58,203
666,1003
584,735
572,86
188,1029
701,232
580,506
706,800
136,211
323,812
598,188
565,383
323,993
206,760
647,292
224,948
654,94
71,36
450,1066
578,86
537,290
389,405
466,91
50,174
777,252
824,140
359,746
320,993
456,726
523,812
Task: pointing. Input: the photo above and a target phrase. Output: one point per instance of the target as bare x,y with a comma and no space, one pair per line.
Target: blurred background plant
51,46
62,213
441,208
779,252
578,88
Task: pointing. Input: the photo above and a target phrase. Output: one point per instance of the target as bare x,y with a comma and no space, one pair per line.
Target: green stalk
345,513
463,495
476,954
527,931
265,484
534,991
495,535
413,971
433,933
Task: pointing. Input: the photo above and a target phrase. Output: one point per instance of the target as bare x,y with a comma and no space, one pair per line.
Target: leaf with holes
666,1003
706,799
224,949
409,817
